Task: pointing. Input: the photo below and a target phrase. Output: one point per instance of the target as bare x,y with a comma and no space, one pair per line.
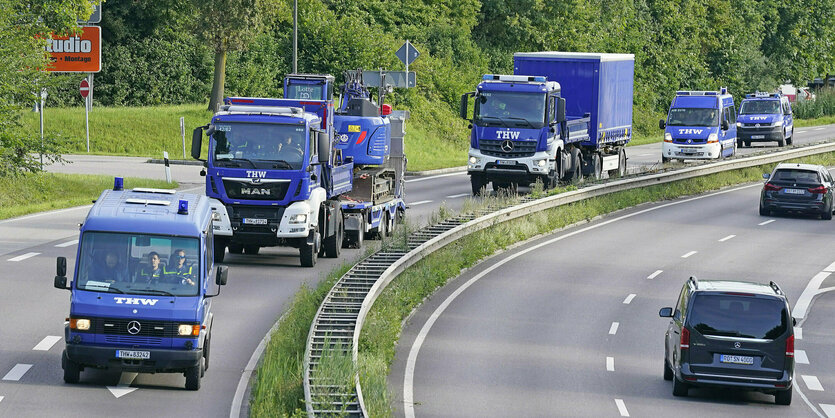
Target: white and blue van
765,117
700,125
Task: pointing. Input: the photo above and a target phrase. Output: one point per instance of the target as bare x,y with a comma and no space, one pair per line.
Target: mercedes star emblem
757,125
507,145
737,344
134,327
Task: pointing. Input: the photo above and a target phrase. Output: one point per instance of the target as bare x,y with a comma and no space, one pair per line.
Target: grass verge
40,192
383,326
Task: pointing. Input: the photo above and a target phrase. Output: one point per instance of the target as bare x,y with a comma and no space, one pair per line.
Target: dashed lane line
654,275
610,364
614,328
622,407
458,195
828,409
23,257
1,398
818,129
727,238
47,343
800,357
798,333
420,202
812,383
629,298
17,372
766,222
689,254
67,244
434,177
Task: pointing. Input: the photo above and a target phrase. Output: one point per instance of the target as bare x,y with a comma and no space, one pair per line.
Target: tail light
817,190
790,346
771,188
685,339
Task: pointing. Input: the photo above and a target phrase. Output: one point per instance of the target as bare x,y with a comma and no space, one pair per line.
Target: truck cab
142,288
699,125
765,117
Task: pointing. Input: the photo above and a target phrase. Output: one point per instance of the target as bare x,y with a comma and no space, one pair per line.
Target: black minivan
730,334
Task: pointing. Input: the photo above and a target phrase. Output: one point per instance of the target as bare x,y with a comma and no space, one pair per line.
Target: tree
226,25
23,24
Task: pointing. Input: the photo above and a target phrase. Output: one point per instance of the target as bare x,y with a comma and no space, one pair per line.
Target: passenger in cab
112,270
153,272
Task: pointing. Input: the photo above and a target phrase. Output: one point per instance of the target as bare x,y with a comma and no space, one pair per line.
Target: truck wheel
739,142
564,162
206,350
193,375
72,371
251,249
308,253
389,224
576,165
665,160
219,249
235,248
747,144
333,243
595,169
382,229
621,162
354,239
478,183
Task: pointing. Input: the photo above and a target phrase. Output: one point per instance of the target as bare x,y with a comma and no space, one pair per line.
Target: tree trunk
216,99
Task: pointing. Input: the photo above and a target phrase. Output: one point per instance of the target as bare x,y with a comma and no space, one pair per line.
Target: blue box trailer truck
559,117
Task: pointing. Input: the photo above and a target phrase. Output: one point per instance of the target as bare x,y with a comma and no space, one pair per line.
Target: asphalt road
579,334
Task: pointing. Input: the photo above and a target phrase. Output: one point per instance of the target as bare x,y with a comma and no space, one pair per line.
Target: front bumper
759,134
691,152
517,169
160,361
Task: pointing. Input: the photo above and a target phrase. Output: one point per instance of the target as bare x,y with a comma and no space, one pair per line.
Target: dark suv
730,334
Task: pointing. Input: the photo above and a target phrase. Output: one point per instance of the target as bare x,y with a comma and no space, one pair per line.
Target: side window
682,304
733,114
552,105
210,251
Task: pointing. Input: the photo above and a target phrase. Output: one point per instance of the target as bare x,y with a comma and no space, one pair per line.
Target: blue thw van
765,117
140,298
700,125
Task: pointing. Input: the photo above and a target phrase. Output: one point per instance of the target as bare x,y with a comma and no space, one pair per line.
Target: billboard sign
75,53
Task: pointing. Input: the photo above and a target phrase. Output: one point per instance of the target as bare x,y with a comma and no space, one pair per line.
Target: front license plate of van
688,151
506,162
133,355
255,221
727,358
794,191
757,136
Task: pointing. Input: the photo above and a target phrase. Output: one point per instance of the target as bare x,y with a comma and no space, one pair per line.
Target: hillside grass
40,192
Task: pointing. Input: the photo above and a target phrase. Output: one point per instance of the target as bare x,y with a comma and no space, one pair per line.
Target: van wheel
680,388
668,372
783,397
236,248
782,141
665,160
193,375
791,137
764,211
72,371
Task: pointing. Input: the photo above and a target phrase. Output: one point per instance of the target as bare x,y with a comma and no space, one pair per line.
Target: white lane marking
828,409
766,222
830,268
629,299
409,375
614,328
67,244
812,382
610,364
436,177
726,238
47,343
798,333
654,275
1,398
52,212
689,254
238,400
458,195
621,407
123,388
818,129
800,357
419,202
23,257
805,299
17,372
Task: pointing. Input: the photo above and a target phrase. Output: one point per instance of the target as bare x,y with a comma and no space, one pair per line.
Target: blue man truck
302,172
764,117
141,294
559,117
699,125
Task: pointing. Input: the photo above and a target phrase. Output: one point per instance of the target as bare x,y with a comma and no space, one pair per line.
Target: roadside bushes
823,105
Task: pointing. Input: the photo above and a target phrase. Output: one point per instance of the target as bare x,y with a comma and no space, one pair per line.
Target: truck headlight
299,218
712,138
778,123
541,163
79,324
668,137
739,124
188,329
473,160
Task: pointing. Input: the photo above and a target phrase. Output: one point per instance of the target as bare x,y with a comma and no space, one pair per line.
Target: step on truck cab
764,117
699,125
141,292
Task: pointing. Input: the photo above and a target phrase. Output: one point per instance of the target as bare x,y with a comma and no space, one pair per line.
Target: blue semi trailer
559,117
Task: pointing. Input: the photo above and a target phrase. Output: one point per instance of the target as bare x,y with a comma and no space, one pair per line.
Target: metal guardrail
367,280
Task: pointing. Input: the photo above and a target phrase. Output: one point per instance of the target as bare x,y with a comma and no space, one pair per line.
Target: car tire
668,372
826,215
764,211
783,397
72,371
680,388
193,375
781,142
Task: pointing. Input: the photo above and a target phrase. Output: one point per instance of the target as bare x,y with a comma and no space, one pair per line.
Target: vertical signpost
84,89
407,54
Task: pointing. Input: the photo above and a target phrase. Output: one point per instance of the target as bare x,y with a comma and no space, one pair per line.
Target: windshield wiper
484,118
107,289
522,119
161,292
278,163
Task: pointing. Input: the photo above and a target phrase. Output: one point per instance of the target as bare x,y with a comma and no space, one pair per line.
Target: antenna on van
695,281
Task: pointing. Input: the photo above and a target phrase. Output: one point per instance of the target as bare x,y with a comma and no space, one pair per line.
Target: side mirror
766,176
794,321
61,282
196,142
725,125
560,110
662,124
666,312
222,274
61,273
324,145
465,98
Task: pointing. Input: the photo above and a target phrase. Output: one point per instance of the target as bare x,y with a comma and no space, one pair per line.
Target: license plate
688,151
135,355
794,191
506,162
727,358
757,136
255,221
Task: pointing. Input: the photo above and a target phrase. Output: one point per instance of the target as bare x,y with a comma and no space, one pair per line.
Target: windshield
304,91
685,116
510,109
739,316
259,145
759,107
139,264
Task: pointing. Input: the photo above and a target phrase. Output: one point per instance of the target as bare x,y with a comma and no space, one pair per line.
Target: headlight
712,138
473,160
298,219
668,137
79,324
188,329
739,124
778,123
541,163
